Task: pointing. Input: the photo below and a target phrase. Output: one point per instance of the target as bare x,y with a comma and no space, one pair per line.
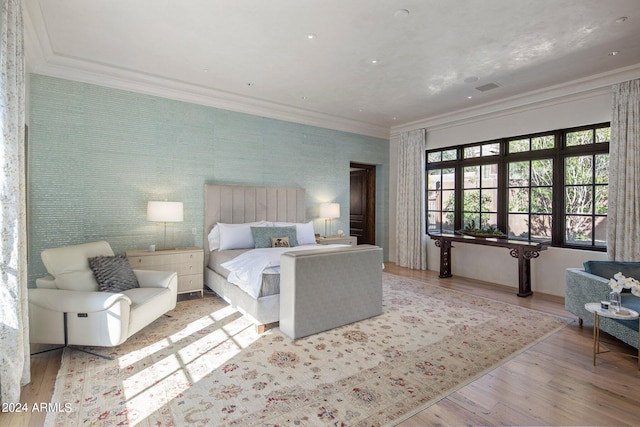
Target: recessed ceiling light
401,13
614,53
621,20
374,61
206,70
311,36
469,97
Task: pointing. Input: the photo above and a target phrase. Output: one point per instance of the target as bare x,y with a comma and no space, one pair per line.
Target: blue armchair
591,284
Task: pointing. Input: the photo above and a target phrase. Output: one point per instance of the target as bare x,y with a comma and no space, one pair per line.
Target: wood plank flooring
552,383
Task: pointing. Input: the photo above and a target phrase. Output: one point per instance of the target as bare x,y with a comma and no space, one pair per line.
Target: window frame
439,191
558,155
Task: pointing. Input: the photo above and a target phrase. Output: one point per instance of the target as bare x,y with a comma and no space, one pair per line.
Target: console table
524,251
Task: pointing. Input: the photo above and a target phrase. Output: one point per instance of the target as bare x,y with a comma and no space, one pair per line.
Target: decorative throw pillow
113,273
262,235
306,234
280,242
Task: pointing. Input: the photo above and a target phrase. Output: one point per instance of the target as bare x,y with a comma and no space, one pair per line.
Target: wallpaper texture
97,155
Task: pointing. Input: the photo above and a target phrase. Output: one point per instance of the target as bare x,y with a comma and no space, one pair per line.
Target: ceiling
358,65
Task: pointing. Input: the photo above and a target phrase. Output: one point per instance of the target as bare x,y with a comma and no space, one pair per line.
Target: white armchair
67,307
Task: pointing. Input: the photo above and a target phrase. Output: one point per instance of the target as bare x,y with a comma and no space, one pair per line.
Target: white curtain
410,217
623,222
14,325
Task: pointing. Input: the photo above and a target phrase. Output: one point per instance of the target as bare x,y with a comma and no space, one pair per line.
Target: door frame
370,189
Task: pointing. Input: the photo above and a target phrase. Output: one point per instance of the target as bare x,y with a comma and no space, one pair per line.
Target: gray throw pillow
262,235
113,273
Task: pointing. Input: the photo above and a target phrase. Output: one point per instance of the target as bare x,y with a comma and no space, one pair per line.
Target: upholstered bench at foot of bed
326,288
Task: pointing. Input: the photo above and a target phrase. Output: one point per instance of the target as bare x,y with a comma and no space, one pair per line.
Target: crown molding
150,85
585,88
42,59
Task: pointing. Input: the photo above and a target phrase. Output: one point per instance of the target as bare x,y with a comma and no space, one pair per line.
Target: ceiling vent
487,87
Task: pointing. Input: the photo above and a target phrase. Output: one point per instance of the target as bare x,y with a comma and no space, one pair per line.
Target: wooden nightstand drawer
344,240
191,263
191,257
144,262
188,269
186,262
190,283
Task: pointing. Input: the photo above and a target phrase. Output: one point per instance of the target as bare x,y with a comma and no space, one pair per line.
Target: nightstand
187,262
333,240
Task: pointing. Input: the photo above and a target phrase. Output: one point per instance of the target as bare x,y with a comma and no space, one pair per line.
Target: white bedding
246,269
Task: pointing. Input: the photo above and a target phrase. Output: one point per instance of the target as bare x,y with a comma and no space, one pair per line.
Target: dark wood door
362,203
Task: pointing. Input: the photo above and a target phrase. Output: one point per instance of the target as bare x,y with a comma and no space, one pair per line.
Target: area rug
206,365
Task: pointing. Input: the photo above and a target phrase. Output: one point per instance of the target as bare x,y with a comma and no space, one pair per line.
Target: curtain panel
623,221
410,216
14,325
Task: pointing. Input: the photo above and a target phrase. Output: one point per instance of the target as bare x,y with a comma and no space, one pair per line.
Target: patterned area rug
206,365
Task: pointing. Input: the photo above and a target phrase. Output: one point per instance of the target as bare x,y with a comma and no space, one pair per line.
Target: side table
187,262
598,311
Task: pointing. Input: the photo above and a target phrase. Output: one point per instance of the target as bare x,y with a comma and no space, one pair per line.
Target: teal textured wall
97,155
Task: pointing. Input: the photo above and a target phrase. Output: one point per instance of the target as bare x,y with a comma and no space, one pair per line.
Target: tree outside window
586,199
440,199
480,196
530,195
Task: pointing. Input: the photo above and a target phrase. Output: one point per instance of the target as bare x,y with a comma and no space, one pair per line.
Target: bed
349,275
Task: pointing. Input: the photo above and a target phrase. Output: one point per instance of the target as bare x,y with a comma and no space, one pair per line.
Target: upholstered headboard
235,204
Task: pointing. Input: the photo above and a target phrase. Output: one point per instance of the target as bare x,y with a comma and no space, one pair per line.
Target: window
441,196
586,181
530,193
550,186
480,195
441,199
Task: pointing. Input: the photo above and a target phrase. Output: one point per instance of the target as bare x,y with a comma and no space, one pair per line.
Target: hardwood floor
552,383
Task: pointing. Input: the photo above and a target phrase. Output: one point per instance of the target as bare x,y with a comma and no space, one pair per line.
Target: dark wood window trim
557,154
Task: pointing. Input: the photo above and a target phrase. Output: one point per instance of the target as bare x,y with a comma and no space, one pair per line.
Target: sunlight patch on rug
170,377
206,365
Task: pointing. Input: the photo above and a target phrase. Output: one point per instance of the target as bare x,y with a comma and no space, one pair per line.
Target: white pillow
305,232
214,234
214,238
238,236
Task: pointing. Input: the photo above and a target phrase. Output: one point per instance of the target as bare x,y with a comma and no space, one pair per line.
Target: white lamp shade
329,210
165,212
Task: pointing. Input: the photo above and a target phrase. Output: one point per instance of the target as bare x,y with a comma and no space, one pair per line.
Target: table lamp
165,212
328,211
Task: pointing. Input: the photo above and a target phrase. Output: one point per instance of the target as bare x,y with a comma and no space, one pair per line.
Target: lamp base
327,221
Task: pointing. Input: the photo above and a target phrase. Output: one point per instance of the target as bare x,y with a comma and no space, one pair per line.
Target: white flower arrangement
620,282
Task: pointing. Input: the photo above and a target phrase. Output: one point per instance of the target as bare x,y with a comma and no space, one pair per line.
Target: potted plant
470,229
